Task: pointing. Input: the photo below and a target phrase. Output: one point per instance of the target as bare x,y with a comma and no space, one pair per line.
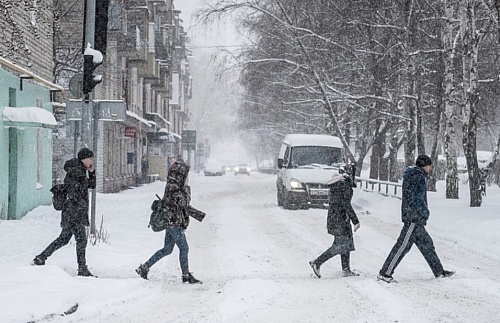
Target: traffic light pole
88,104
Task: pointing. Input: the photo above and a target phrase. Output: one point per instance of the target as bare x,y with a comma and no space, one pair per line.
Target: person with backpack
176,200
80,177
340,216
414,214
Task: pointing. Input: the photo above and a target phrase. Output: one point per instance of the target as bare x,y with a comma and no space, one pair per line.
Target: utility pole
92,58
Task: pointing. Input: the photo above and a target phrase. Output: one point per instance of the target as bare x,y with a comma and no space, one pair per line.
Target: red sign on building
130,132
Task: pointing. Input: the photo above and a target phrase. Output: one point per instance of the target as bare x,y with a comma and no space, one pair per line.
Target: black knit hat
85,153
423,160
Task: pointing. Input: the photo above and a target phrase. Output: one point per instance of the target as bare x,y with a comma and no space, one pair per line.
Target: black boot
142,271
349,273
315,266
189,278
38,261
84,271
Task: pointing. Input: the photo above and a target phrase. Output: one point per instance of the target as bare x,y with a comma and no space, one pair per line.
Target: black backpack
59,195
158,219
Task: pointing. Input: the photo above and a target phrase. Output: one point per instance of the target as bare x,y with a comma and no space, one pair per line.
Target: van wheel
287,204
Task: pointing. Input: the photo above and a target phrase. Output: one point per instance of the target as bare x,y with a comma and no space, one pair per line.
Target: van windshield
304,156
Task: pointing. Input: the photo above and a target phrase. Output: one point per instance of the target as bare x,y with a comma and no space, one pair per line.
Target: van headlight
295,184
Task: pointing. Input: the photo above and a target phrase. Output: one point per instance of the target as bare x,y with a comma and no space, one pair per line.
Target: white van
305,163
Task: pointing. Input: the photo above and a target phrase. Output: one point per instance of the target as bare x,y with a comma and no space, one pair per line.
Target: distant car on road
214,168
242,169
267,167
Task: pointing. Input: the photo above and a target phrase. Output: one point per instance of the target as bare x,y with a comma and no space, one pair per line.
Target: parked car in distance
214,168
242,169
267,167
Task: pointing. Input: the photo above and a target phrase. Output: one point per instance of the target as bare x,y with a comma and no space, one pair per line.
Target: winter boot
349,273
446,273
315,268
142,271
189,278
385,278
38,261
84,271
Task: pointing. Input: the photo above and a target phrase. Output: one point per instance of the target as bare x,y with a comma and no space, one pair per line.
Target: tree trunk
470,41
431,183
449,103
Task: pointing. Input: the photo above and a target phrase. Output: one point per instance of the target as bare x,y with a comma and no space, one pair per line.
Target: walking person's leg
167,249
81,246
62,240
399,250
182,244
324,257
345,260
424,243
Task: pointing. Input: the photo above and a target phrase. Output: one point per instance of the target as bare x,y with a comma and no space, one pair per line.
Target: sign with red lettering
130,132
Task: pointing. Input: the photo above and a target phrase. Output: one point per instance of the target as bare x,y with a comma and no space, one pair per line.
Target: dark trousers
412,233
78,230
332,252
173,236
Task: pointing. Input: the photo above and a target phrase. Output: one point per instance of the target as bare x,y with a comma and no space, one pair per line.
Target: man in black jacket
340,216
80,176
414,214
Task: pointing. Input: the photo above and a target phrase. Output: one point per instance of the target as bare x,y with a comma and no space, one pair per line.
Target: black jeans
78,230
412,233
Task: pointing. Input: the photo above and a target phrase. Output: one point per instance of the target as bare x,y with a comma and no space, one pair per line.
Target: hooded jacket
340,211
414,202
76,207
177,196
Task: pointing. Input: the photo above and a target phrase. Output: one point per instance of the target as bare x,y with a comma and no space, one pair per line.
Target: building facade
26,95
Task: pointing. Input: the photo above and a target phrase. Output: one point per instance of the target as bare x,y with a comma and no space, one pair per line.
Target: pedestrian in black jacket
340,216
80,177
414,214
176,199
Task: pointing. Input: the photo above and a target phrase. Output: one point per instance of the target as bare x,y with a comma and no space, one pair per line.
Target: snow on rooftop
312,140
28,114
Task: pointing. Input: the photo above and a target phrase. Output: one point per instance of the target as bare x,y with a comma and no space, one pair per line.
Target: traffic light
91,60
101,25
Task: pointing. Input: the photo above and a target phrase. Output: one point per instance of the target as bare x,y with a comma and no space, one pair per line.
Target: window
12,97
319,155
115,17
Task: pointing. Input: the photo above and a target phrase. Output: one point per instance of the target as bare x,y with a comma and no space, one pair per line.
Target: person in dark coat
340,216
176,199
80,177
414,214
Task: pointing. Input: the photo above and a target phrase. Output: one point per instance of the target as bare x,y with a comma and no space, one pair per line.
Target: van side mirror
280,163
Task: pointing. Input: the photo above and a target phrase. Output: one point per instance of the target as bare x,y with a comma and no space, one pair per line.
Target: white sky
252,257
220,35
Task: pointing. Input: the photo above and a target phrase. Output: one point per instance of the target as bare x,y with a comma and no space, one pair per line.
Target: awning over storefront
160,136
28,117
140,119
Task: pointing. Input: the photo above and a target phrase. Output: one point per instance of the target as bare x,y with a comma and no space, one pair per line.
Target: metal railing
382,187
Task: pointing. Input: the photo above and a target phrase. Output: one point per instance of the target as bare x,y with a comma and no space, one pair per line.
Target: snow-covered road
252,257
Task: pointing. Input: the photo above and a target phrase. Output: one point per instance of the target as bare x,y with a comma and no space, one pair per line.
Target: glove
356,227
